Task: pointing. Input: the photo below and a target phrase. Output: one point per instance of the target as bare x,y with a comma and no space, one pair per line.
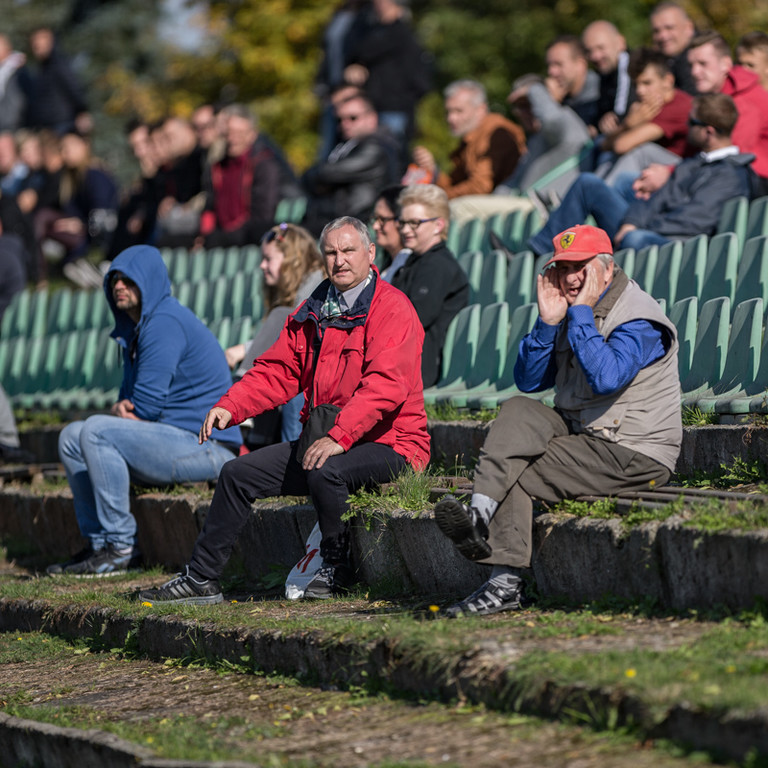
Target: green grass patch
408,491
27,420
693,416
176,737
448,412
724,669
738,472
707,515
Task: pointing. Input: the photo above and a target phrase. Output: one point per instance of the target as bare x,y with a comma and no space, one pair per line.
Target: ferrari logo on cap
566,240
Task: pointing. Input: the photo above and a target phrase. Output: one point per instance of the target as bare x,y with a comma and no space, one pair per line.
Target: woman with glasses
384,226
431,277
292,268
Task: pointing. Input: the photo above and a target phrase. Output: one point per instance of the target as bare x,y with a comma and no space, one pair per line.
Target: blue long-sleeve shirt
609,364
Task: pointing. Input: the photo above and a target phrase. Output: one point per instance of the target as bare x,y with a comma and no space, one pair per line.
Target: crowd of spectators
651,142
214,178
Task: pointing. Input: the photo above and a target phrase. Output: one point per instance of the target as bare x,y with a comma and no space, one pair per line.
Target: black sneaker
329,580
454,519
105,562
57,569
184,590
323,583
490,598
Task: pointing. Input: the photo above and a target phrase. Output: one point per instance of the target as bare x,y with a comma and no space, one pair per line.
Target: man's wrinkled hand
552,302
590,289
319,452
652,178
216,417
124,409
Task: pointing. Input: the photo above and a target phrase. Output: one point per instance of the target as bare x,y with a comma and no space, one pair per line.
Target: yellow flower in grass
630,673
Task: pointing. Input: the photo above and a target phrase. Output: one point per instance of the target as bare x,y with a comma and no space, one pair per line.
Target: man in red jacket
713,71
354,347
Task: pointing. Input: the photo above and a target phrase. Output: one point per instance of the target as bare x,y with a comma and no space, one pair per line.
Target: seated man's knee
588,180
97,429
519,407
69,439
231,471
325,474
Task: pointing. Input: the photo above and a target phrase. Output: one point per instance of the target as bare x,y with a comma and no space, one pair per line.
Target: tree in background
115,52
264,53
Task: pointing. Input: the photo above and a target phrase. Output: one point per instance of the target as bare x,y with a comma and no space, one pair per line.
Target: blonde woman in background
292,268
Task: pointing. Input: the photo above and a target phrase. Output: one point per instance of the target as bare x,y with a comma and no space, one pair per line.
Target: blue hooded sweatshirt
174,370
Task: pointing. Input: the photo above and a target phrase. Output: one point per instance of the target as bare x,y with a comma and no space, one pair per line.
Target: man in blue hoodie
173,372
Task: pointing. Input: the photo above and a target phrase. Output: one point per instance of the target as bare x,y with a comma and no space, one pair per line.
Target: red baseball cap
580,243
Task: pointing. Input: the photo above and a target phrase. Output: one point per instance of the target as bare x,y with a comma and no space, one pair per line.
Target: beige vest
645,415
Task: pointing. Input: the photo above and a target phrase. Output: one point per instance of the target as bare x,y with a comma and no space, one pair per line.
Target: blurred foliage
266,53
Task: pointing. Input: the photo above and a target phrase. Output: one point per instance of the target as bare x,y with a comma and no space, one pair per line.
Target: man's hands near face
590,288
553,285
552,302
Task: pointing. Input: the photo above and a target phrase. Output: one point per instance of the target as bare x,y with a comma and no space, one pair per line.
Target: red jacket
369,365
751,131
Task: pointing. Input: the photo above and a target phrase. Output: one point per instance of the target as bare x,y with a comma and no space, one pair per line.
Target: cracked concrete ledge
29,743
458,443
576,559
486,675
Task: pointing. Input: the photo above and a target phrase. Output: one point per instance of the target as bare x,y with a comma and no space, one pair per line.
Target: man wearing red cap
611,355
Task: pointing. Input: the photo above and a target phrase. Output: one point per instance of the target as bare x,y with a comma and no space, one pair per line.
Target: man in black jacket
243,188
348,182
55,98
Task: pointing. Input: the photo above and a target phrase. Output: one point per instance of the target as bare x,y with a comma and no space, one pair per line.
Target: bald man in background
607,53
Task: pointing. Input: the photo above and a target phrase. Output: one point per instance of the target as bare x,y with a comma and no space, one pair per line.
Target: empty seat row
33,314
209,264
513,229
82,369
237,296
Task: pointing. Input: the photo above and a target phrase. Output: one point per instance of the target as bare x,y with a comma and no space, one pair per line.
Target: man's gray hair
477,89
605,259
242,111
346,221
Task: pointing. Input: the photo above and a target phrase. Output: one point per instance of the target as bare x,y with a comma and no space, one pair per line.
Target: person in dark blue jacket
689,204
173,372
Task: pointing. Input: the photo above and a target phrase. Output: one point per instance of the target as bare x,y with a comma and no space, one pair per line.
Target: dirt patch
274,721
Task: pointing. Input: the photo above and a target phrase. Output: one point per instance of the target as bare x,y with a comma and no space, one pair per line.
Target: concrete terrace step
575,558
492,671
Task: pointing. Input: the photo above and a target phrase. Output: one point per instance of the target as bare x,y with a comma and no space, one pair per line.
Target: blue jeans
290,426
103,454
590,195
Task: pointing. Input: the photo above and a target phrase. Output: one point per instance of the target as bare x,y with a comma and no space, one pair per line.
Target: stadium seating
55,350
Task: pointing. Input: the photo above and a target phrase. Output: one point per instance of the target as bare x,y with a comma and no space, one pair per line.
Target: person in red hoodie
713,71
354,349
